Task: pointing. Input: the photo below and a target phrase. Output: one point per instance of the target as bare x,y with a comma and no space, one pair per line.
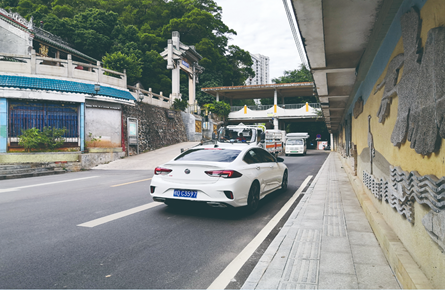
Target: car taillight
162,171
223,173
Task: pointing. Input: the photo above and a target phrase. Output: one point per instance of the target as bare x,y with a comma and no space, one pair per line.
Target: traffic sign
318,136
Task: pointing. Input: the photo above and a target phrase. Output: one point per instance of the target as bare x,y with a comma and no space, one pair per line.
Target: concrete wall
37,157
90,160
406,189
103,124
189,123
156,129
14,40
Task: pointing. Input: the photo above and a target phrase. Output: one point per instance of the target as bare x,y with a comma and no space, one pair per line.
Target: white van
296,143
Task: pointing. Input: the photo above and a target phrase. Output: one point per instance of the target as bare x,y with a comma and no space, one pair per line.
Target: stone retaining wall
156,129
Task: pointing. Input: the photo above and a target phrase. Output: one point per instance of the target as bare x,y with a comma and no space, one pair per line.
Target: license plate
185,193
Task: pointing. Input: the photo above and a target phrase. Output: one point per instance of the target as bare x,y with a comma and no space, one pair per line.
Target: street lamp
96,88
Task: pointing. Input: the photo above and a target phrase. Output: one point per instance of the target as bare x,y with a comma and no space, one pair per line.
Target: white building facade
261,68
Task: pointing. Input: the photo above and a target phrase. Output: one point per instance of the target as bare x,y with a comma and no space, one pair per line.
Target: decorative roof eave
58,42
17,20
189,52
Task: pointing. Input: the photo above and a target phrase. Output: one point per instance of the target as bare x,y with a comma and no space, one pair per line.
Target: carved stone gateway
421,90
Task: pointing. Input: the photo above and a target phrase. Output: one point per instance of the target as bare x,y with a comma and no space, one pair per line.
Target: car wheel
284,181
253,200
287,154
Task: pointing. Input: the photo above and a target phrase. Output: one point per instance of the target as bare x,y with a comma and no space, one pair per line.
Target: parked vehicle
296,143
220,175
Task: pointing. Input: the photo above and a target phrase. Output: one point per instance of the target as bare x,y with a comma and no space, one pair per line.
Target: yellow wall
432,15
424,250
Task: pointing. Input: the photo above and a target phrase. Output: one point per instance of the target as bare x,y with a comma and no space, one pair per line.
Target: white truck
296,143
252,135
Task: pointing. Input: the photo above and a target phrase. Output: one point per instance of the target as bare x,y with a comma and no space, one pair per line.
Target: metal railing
266,107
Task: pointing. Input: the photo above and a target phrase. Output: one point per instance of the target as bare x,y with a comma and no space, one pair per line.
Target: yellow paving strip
130,182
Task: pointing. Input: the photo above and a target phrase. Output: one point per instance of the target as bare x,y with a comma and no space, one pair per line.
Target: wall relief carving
421,90
405,188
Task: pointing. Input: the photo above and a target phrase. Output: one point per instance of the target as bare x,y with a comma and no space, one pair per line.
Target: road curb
399,259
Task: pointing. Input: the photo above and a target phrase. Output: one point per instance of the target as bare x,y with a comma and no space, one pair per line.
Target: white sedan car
221,176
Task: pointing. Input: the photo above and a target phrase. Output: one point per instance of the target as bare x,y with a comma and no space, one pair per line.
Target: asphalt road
147,245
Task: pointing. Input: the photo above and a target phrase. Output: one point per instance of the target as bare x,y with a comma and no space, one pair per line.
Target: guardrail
149,97
266,107
65,68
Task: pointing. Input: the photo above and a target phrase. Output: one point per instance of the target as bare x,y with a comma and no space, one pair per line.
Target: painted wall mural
421,89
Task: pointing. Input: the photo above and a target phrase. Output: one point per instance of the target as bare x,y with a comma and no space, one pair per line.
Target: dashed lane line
130,182
115,216
43,184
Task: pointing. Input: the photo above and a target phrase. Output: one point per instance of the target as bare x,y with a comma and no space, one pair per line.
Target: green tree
293,76
118,61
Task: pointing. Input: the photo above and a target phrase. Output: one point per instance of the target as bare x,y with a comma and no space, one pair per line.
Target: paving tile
358,226
340,263
304,271
368,255
335,245
375,277
313,224
362,238
337,281
271,279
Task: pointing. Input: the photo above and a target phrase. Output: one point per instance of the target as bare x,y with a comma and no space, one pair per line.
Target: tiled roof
62,86
57,41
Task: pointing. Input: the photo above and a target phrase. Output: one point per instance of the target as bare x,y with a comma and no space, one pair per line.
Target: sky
262,28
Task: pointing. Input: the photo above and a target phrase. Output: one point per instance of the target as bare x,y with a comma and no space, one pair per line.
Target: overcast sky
262,28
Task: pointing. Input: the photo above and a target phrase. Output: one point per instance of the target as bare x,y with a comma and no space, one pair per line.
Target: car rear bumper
212,194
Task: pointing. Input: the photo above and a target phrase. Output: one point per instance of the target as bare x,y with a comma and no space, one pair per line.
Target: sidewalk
156,158
326,243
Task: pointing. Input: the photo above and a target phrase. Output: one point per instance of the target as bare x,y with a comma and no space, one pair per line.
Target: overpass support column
217,96
275,103
332,142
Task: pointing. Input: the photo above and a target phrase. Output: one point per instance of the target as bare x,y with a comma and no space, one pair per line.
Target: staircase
21,170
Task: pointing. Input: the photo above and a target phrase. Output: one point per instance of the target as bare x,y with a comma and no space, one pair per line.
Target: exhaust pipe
216,204
159,199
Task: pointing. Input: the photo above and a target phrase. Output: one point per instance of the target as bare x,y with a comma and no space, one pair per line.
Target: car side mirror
279,159
263,137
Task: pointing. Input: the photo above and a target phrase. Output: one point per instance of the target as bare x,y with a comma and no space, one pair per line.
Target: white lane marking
232,269
43,184
115,216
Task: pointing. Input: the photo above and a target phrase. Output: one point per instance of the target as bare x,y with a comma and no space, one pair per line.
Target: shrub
30,139
51,138
48,139
179,104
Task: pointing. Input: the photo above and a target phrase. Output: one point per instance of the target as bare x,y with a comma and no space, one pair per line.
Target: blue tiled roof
62,86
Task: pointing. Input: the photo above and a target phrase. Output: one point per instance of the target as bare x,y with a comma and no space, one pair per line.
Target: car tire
284,181
253,199
287,154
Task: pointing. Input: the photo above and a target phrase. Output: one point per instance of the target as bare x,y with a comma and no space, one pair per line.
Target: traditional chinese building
46,82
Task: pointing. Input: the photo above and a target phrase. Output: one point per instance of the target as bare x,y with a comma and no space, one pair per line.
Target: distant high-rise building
261,68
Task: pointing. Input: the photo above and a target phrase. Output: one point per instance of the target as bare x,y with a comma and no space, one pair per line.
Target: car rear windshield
209,154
